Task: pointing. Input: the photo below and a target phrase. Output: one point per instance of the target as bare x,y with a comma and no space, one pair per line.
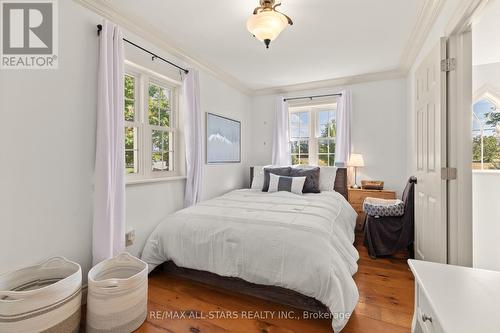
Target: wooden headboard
340,185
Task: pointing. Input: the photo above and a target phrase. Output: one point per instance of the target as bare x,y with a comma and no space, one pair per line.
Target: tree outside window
485,136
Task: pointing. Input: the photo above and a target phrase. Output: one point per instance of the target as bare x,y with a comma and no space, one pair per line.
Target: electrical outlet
130,237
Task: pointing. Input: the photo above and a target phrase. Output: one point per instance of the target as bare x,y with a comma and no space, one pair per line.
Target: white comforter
299,242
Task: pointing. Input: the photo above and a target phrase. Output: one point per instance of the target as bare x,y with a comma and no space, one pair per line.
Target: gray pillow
280,171
312,178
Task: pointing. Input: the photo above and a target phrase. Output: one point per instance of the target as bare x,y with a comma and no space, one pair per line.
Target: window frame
143,78
495,102
313,110
135,122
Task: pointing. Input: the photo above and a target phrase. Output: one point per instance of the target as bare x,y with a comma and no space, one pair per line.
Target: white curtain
109,199
343,139
281,138
193,136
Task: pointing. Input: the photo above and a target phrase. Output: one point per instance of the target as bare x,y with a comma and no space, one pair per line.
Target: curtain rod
310,97
155,56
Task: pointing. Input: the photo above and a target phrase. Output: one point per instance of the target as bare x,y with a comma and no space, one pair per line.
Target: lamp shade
356,160
267,25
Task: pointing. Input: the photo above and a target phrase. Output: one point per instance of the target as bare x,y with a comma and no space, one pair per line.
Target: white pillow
258,178
326,176
283,183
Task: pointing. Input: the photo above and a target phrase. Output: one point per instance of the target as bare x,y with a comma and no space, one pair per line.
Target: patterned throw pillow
280,171
312,178
284,183
383,207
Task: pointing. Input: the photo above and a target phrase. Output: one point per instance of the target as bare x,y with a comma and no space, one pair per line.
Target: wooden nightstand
357,196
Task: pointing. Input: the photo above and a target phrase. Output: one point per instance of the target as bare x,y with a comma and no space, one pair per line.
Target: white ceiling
330,38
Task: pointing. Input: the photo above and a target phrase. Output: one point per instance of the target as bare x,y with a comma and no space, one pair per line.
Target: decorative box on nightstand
357,196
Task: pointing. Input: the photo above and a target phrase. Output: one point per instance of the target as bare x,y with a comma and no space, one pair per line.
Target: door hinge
448,173
448,65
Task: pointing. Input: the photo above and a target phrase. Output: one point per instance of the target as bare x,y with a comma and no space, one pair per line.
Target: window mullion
145,129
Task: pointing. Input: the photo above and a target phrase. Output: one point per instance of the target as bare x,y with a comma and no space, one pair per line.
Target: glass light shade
356,160
267,25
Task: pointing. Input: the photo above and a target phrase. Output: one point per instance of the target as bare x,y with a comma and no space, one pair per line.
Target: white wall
378,130
220,99
48,153
486,76
486,216
486,50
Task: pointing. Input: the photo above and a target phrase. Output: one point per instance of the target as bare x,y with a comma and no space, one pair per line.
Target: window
312,134
485,135
150,125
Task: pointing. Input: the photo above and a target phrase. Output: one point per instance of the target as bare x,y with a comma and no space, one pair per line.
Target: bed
293,249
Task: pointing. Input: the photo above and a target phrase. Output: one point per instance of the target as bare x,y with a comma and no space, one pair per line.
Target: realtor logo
29,34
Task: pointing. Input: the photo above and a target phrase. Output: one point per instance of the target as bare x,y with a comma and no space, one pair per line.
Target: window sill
486,172
153,180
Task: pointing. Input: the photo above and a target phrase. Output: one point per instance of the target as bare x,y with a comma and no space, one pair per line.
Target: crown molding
463,16
160,40
332,83
427,16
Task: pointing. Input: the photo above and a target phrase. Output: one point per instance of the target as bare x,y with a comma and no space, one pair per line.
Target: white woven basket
45,297
117,295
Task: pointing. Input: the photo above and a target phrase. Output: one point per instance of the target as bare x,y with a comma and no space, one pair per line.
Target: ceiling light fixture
267,23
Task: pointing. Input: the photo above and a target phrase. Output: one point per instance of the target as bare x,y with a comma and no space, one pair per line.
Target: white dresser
454,299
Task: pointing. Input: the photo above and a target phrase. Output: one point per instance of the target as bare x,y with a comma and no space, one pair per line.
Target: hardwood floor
386,289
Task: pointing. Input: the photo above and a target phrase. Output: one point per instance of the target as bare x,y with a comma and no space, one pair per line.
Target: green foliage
129,86
326,148
129,149
303,159
129,98
159,106
492,118
491,150
330,130
129,115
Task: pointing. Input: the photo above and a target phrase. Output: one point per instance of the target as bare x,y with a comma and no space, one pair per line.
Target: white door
430,192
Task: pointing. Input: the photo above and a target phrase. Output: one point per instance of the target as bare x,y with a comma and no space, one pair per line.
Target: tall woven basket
42,298
117,295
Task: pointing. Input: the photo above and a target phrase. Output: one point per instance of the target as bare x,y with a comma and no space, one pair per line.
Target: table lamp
356,161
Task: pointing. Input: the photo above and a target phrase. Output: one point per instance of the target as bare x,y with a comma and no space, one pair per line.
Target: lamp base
355,186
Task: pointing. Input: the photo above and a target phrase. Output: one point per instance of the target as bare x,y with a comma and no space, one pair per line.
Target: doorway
485,136
474,138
